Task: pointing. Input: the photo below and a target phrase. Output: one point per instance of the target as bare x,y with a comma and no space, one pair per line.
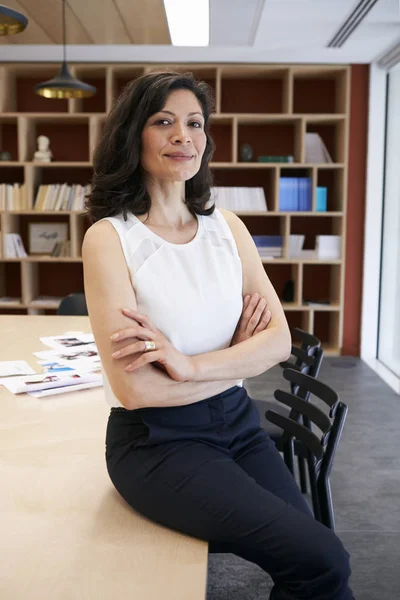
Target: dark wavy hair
117,184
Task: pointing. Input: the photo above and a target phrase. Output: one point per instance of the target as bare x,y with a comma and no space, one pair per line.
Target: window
389,310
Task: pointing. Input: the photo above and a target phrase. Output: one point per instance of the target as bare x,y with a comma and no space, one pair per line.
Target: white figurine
43,153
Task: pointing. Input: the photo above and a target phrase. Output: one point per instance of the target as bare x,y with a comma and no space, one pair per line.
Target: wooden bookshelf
271,107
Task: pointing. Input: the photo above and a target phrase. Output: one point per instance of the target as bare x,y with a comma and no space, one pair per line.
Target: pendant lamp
11,21
64,85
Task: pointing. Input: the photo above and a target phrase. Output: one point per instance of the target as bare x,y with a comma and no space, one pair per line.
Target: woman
184,445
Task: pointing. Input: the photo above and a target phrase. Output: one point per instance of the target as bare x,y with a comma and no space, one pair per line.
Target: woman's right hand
255,317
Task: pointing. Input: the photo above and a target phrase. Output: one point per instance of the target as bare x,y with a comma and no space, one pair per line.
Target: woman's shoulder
234,223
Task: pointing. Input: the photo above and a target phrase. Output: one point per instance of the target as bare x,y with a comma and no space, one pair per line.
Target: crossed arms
108,289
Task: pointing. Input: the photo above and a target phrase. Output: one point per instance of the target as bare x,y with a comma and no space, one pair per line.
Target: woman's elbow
286,346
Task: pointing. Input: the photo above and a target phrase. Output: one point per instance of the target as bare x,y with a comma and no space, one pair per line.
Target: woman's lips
179,157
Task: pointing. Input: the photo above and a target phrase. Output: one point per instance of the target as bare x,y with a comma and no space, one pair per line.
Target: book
316,151
276,159
328,246
321,198
295,194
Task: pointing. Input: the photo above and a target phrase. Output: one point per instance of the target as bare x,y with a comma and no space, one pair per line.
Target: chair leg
288,455
302,474
326,504
314,488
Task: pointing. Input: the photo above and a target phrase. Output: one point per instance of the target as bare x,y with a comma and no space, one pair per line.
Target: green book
276,159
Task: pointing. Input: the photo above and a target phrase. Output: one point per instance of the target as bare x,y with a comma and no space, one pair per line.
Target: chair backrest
309,343
308,363
73,304
322,447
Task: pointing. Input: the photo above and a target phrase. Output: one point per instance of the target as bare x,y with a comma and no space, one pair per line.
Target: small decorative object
246,153
44,236
288,291
4,155
43,153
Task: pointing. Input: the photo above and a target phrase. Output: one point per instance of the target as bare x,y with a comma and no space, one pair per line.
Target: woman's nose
180,134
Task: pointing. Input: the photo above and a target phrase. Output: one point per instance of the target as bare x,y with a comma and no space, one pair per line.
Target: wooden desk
66,533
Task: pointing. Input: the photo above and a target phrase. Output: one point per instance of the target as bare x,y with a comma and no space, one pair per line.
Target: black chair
73,304
308,360
319,451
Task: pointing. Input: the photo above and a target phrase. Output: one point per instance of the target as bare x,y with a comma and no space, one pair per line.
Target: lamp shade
11,21
64,86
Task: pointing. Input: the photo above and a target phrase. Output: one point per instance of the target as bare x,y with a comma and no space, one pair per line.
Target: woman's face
174,140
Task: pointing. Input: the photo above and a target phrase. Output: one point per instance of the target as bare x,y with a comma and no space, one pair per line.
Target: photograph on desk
59,342
83,357
45,381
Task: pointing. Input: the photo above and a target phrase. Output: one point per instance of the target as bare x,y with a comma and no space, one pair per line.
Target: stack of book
61,249
269,246
295,194
239,198
12,196
14,246
61,196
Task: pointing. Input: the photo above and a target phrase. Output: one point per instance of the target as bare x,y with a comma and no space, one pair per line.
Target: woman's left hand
178,366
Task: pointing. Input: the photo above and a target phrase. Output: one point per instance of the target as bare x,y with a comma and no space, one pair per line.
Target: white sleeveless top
191,292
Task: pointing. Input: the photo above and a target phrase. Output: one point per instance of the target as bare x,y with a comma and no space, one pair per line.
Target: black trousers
207,469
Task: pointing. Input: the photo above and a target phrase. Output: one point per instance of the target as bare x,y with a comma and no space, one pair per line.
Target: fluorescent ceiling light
188,22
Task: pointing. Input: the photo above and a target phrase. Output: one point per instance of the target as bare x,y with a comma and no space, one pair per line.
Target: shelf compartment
326,328
42,278
264,178
10,283
303,173
200,73
280,276
319,92
81,225
254,90
9,136
22,98
121,76
19,223
271,138
44,175
300,319
332,132
318,225
321,283
221,130
11,174
334,181
69,137
92,75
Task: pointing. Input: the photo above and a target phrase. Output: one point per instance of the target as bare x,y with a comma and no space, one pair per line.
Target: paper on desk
9,368
43,381
62,342
80,357
54,367
65,389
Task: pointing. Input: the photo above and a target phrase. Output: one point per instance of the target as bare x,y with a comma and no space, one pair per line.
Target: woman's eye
162,122
196,124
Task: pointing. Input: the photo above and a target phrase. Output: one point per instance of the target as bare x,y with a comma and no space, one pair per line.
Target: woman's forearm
153,387
247,359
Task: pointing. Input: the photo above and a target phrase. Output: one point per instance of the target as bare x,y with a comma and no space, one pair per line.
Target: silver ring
149,345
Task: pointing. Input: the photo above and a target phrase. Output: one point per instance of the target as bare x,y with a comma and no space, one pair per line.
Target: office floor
365,487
